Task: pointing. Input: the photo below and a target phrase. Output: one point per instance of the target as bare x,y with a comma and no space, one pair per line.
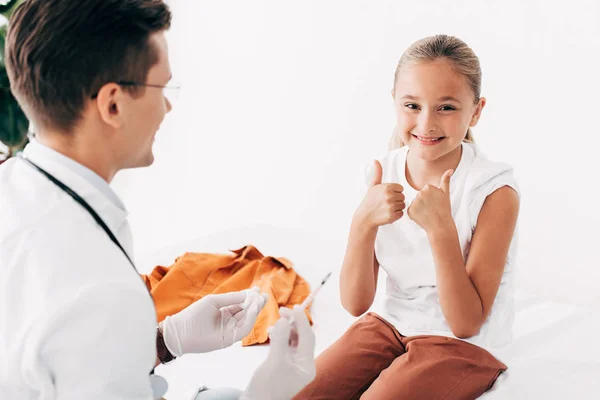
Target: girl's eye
411,106
447,108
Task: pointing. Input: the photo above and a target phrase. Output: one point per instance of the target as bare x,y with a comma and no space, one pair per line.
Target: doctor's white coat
76,321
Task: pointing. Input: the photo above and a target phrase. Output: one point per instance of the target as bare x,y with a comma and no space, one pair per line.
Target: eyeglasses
171,92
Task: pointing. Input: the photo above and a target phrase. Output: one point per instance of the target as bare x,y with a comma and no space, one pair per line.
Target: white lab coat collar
113,215
35,147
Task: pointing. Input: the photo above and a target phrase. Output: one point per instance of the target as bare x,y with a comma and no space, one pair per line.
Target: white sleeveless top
411,301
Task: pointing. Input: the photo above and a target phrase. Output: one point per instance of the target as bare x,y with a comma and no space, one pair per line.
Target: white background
284,102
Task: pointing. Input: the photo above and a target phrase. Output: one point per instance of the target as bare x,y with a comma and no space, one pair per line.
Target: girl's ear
477,112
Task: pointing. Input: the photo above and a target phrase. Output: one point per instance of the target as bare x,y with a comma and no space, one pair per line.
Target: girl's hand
383,203
431,208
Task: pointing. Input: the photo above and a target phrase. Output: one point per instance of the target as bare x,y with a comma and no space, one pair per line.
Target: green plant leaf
8,7
2,42
13,122
3,75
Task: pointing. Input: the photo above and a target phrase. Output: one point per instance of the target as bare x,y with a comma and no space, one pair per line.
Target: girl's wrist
443,229
361,222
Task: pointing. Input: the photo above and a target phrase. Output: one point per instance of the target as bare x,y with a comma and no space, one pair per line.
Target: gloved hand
213,322
290,365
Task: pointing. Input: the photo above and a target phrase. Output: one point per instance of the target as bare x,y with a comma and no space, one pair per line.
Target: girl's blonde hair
439,47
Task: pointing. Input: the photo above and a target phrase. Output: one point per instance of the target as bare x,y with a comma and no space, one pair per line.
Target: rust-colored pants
373,361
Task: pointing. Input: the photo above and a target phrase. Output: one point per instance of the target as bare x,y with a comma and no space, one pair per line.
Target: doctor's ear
110,103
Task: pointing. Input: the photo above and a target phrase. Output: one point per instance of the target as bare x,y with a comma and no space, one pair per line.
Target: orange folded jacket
195,275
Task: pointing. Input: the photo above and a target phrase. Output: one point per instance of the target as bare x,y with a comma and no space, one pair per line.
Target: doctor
76,320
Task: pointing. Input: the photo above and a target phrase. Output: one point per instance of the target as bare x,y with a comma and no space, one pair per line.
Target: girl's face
434,107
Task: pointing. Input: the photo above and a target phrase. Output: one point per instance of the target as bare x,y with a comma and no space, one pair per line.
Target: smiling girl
439,218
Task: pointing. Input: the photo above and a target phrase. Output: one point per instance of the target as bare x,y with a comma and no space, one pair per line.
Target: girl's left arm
467,291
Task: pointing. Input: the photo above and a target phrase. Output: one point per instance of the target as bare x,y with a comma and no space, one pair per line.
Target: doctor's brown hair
60,52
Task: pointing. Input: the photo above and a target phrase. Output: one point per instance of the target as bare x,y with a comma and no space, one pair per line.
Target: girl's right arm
383,204
358,280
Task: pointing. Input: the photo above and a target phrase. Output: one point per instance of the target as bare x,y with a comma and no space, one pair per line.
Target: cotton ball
264,298
251,296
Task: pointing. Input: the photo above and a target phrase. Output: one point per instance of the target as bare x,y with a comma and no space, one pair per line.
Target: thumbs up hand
431,208
383,203
445,182
376,174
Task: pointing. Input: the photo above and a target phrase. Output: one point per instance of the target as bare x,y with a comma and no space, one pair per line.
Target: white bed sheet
555,353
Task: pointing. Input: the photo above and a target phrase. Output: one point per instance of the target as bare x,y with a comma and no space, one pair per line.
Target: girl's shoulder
483,178
484,172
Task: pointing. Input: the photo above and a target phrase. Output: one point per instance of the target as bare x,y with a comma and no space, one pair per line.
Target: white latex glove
213,322
290,365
